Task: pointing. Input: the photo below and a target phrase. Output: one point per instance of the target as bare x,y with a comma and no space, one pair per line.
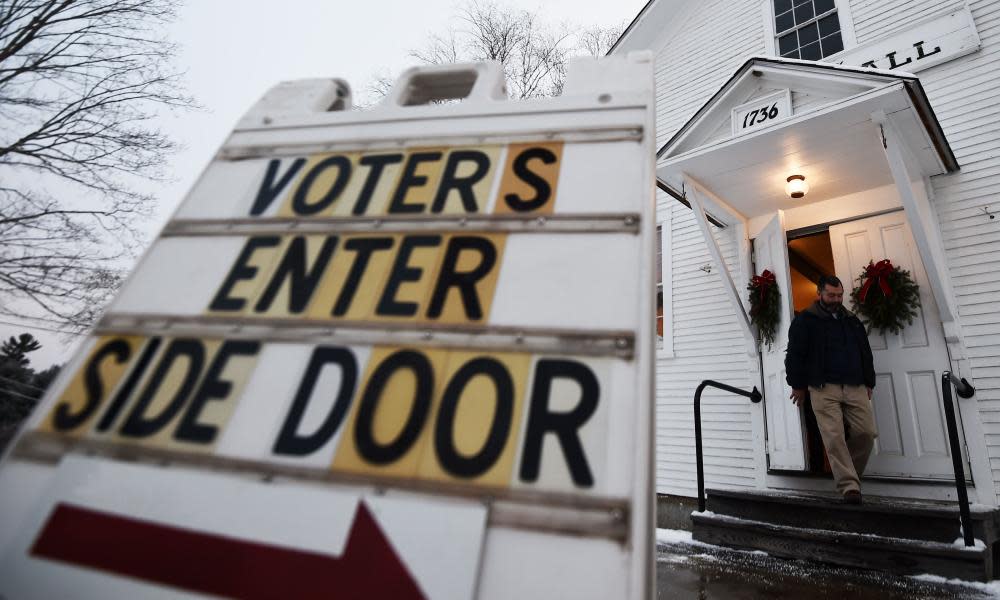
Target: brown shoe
852,497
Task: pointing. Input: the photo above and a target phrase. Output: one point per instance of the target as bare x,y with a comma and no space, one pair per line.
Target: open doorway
913,441
810,257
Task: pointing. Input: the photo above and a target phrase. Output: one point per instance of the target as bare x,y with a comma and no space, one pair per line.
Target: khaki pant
838,405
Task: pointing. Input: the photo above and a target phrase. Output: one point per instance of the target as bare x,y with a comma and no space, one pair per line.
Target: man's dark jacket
806,360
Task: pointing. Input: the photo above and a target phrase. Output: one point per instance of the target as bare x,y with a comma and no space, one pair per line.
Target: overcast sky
234,50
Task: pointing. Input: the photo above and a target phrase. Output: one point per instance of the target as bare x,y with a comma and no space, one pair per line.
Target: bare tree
79,82
533,52
598,40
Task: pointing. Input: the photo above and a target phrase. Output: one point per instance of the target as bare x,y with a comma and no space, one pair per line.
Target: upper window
807,29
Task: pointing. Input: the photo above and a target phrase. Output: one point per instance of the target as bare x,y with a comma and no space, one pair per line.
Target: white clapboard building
889,110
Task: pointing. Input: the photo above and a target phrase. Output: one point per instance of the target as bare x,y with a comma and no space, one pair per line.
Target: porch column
697,198
921,216
931,249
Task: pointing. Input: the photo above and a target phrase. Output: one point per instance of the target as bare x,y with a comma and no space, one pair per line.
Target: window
664,287
807,29
659,284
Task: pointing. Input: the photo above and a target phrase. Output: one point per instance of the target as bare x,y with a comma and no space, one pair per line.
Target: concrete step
867,551
887,517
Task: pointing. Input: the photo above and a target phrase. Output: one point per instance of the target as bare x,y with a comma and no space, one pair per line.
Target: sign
939,39
761,112
423,414
405,353
278,539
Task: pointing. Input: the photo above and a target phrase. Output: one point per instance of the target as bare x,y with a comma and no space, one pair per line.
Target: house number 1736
760,115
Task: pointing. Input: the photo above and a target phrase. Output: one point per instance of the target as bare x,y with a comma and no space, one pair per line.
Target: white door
785,432
913,438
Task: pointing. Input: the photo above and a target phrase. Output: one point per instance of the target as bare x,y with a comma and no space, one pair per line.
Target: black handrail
754,396
964,389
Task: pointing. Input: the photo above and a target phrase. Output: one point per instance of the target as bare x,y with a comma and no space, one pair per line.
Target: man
828,354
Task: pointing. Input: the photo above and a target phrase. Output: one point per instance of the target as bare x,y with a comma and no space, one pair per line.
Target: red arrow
225,566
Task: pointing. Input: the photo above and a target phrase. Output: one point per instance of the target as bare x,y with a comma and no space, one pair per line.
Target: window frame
660,316
843,9
665,344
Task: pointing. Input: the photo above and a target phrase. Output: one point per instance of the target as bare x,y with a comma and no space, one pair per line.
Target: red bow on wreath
879,272
761,283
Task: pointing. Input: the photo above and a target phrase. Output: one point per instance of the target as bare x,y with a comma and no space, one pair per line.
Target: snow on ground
673,536
692,570
992,588
680,536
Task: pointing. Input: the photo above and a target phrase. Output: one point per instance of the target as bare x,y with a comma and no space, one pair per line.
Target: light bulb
796,186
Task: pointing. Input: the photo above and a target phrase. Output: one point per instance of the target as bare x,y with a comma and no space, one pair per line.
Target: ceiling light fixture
796,186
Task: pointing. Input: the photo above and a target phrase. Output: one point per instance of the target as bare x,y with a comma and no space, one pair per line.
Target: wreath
765,305
886,297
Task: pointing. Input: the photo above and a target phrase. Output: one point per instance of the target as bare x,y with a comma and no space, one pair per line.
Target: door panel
890,438
933,438
785,431
912,438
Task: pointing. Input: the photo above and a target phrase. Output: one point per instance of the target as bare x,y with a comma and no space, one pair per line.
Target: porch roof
835,144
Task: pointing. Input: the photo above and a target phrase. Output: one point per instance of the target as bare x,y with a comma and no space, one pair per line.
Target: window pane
829,24
798,2
823,6
832,44
784,22
659,255
803,13
811,52
808,34
787,43
781,6
791,54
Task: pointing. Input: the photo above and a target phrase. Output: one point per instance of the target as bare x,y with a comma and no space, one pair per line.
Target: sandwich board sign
396,353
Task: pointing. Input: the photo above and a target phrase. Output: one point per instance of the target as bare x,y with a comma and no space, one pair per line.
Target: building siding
690,67
707,338
964,95
707,342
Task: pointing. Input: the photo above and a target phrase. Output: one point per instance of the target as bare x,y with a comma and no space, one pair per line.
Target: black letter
407,180
377,163
564,425
920,50
541,186
138,370
212,388
364,247
241,270
290,442
302,283
465,282
299,203
268,190
479,463
138,425
63,420
449,181
388,305
364,436
892,60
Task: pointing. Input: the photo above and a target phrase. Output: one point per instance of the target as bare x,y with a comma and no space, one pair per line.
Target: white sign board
398,353
761,112
935,40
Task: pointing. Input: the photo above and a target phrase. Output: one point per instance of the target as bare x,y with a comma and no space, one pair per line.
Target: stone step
867,551
887,517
